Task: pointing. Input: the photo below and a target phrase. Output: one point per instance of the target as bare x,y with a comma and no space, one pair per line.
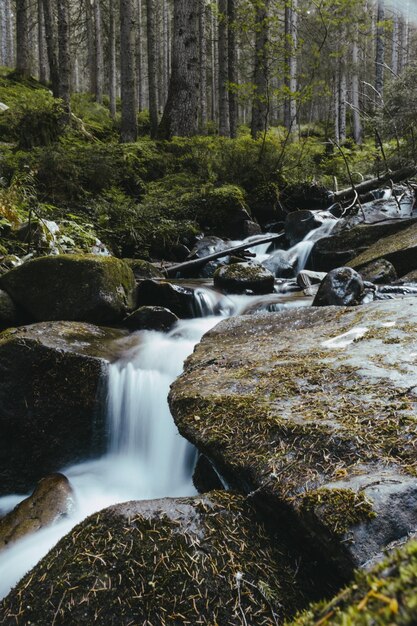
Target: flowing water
146,456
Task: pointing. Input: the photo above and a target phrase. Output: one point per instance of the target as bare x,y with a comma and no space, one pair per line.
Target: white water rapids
146,457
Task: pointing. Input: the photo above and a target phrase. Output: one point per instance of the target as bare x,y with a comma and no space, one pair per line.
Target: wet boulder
244,278
400,249
88,288
343,246
177,298
312,412
8,312
279,265
203,560
379,272
299,223
52,500
50,405
151,318
143,269
340,287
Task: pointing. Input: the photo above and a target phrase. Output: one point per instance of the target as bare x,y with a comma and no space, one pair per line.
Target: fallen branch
375,183
196,263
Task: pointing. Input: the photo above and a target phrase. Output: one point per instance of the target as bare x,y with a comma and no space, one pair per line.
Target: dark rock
312,411
8,313
300,223
339,249
151,318
379,272
264,203
50,376
205,477
250,228
308,196
411,277
143,269
204,560
244,278
52,499
206,246
279,265
72,287
400,249
341,287
180,300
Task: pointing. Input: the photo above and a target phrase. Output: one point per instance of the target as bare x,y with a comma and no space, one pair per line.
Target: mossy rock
88,288
8,313
50,378
313,411
385,596
379,272
143,269
203,560
151,318
400,249
244,278
339,249
223,211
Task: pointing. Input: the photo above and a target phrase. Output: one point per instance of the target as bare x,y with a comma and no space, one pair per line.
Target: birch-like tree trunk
224,122
129,124
152,67
22,38
182,108
260,105
356,113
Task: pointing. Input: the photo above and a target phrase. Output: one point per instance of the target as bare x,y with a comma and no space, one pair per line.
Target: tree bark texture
260,105
224,124
98,52
232,66
129,127
182,108
152,67
290,104
202,27
22,38
51,45
112,59
64,56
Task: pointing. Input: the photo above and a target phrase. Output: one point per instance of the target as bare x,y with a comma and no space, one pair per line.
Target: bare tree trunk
182,108
9,34
232,62
342,101
112,59
51,46
64,54
290,104
152,71
139,55
395,42
41,45
22,38
224,123
90,33
379,53
214,68
98,52
165,51
202,15
336,105
260,106
129,124
356,114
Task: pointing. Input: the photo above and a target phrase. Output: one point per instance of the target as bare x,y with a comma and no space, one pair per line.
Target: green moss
385,596
339,508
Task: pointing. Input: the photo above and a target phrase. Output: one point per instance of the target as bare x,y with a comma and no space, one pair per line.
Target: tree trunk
214,68
395,42
336,106
41,45
9,33
112,59
181,111
202,15
260,106
64,54
356,114
224,123
152,71
129,124
98,52
232,62
342,101
290,104
379,54
139,56
90,34
22,38
51,46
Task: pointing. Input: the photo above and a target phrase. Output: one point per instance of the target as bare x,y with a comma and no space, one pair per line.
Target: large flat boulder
338,249
400,249
86,288
50,375
313,412
204,560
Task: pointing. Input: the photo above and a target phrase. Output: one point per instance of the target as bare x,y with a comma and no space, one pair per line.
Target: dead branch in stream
370,185
196,263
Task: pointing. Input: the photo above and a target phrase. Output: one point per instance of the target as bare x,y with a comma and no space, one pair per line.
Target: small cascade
299,254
